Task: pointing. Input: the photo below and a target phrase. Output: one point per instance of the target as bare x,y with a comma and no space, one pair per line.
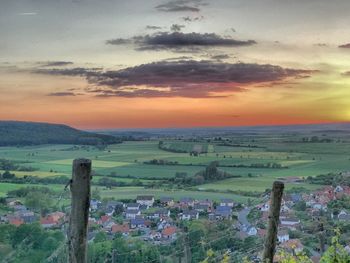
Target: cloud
346,74
119,41
179,41
185,78
68,71
61,94
220,57
176,27
153,27
345,46
56,63
181,6
192,19
179,58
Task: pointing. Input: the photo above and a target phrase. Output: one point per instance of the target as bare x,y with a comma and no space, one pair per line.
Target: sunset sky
96,64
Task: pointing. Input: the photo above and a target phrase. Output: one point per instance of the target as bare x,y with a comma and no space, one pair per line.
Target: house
285,209
168,201
293,246
295,197
109,211
107,226
20,208
138,223
57,216
223,212
282,236
294,222
94,204
48,222
113,204
154,235
265,207
146,200
133,206
344,216
202,207
52,220
227,202
161,213
187,202
26,215
132,213
105,218
16,221
124,229
163,224
252,231
169,233
319,206
206,202
189,215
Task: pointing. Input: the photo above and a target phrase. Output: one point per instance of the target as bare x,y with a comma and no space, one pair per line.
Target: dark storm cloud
181,41
181,6
185,78
61,94
56,63
345,46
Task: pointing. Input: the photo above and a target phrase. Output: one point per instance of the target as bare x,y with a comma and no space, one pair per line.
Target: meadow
126,161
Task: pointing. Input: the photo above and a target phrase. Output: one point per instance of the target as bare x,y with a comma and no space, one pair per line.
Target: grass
5,187
127,159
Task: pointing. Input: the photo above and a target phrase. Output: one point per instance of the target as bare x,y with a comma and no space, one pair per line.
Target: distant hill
222,131
33,133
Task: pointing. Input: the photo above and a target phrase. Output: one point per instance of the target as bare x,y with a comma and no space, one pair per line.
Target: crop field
132,192
246,157
5,187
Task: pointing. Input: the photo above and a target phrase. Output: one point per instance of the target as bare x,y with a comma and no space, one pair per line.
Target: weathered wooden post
78,222
274,215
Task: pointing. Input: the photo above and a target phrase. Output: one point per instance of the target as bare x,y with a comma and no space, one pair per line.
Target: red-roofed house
124,229
169,233
16,221
47,222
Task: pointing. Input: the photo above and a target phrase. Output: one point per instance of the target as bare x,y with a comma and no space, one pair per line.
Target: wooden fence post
78,222
274,215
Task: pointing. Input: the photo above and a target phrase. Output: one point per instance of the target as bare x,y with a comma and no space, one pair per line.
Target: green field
127,160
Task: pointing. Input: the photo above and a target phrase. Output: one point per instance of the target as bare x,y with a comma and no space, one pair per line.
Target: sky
96,64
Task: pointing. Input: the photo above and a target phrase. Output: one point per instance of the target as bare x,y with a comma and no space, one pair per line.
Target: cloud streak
56,63
180,41
181,6
345,46
61,94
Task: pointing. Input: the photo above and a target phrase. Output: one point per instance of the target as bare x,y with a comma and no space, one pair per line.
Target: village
302,226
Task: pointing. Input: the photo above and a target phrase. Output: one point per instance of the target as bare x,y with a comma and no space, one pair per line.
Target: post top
81,160
278,184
